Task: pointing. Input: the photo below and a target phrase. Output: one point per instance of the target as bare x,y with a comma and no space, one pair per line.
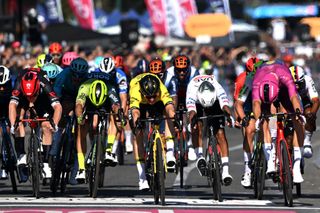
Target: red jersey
238,84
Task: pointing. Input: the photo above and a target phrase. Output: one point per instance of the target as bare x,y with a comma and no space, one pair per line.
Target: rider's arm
12,112
58,84
57,113
256,105
313,94
14,101
238,105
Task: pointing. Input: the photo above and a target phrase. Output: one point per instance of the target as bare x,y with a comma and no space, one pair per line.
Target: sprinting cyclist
310,101
55,51
205,96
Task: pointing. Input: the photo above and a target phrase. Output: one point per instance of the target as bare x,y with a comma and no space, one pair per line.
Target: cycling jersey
308,91
284,76
45,89
84,89
238,84
136,98
120,80
170,81
192,98
5,94
66,84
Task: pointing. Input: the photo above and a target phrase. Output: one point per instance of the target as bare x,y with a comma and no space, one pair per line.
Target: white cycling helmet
207,94
107,65
297,73
4,75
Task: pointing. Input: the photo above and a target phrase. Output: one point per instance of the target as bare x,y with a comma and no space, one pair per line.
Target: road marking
234,148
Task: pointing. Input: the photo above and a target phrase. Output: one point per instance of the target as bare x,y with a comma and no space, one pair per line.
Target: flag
84,12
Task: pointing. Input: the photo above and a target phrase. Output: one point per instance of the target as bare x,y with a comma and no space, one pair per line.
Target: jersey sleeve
112,95
312,91
122,81
191,97
83,93
287,80
16,92
47,88
135,96
58,84
222,95
165,96
173,87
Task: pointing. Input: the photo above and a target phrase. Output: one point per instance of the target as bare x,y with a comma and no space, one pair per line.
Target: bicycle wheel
35,166
260,166
65,161
216,172
160,173
96,173
181,159
286,174
11,161
120,152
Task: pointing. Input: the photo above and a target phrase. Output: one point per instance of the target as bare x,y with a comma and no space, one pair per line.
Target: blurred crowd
224,63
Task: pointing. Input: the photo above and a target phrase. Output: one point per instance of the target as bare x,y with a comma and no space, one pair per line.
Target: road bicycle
156,166
65,159
258,165
181,149
9,156
213,157
34,157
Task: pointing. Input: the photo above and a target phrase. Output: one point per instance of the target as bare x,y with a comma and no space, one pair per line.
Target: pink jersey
283,73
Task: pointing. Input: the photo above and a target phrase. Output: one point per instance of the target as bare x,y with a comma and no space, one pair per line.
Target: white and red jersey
192,89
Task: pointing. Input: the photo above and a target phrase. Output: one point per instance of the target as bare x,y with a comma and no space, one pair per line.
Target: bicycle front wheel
216,172
96,173
11,161
260,167
159,176
35,166
286,174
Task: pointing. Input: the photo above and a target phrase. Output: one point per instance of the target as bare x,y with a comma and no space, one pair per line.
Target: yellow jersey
136,98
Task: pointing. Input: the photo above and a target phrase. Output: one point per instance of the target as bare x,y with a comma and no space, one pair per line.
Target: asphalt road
120,191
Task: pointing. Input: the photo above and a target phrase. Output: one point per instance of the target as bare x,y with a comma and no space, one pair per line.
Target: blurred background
268,29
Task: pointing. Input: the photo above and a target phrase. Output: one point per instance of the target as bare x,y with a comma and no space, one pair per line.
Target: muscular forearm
315,105
135,115
12,113
239,109
124,98
57,113
170,110
227,110
296,103
256,109
79,110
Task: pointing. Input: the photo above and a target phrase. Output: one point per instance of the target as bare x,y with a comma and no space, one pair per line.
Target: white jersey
192,89
310,89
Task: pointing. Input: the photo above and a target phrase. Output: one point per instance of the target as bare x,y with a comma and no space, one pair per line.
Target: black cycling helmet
149,85
79,66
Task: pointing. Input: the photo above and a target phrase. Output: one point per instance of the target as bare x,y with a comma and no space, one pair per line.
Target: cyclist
147,94
67,58
101,95
55,51
205,96
273,84
157,67
243,108
42,59
142,67
184,72
118,78
310,101
34,89
6,85
66,87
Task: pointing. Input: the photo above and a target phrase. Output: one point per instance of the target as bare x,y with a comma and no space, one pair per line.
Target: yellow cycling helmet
42,59
297,73
98,93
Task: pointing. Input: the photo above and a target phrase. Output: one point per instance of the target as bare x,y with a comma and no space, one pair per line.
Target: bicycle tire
120,152
66,146
91,168
35,168
181,159
216,185
11,162
160,171
98,153
260,167
286,175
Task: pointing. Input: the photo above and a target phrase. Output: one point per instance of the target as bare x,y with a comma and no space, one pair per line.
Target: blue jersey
170,81
66,84
120,80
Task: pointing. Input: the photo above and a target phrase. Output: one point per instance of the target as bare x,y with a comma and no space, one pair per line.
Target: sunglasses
150,97
55,55
179,70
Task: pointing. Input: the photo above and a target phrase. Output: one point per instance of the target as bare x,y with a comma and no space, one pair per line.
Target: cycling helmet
181,62
269,88
206,94
55,47
118,61
51,69
68,57
297,73
4,75
98,93
142,66
30,84
97,61
156,66
149,85
250,65
79,66
42,59
107,65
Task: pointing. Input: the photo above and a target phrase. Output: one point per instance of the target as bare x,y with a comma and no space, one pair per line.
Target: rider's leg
298,137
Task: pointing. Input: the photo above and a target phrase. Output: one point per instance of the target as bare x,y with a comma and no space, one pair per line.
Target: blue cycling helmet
97,61
79,66
51,69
